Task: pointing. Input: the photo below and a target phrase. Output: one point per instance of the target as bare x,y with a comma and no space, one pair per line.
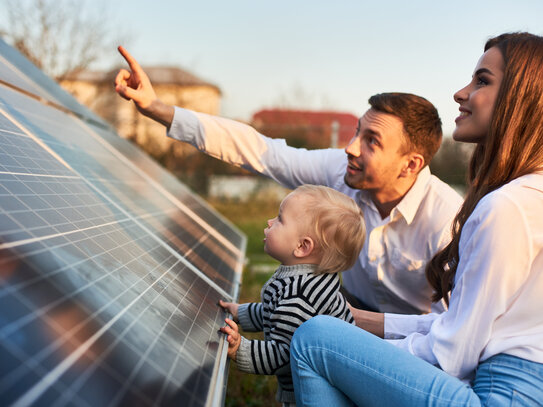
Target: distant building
172,85
309,129
245,187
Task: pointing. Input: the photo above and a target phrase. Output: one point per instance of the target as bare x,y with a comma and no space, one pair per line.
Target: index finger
231,324
132,63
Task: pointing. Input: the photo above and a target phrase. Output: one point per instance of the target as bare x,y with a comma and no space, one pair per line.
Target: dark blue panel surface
110,270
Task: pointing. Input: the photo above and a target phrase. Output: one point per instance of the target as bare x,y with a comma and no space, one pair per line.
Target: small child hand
231,307
233,338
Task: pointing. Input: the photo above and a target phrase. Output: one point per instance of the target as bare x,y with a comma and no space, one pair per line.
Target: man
408,211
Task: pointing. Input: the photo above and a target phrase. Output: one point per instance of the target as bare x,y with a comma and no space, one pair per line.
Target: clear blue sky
321,54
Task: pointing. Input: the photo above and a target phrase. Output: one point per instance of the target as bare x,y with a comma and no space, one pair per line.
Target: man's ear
305,247
414,163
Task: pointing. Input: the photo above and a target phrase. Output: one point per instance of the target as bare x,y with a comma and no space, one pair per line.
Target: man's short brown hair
421,122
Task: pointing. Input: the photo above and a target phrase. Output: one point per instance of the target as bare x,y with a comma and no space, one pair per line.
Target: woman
487,349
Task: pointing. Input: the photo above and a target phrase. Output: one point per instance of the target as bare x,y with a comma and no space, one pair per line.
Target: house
309,129
172,85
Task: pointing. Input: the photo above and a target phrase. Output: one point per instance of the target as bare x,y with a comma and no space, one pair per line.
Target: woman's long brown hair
513,146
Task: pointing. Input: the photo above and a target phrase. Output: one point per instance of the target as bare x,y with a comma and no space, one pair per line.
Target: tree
451,162
60,37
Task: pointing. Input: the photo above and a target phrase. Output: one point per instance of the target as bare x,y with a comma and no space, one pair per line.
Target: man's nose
353,148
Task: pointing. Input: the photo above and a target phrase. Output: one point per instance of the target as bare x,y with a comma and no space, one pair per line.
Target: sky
318,54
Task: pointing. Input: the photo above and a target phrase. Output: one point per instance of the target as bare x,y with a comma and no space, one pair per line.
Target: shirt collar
409,205
295,270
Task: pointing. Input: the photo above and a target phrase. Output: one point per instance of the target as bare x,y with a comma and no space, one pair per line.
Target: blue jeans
337,364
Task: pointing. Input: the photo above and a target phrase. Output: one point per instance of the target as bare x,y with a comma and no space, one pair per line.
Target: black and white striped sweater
290,297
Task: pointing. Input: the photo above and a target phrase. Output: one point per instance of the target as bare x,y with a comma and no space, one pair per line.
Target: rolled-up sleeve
398,326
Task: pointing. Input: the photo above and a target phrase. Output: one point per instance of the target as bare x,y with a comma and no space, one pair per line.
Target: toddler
318,233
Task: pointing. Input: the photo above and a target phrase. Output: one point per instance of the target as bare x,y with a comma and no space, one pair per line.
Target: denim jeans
337,364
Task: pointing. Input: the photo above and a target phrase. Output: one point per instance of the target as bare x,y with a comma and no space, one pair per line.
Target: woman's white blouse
496,304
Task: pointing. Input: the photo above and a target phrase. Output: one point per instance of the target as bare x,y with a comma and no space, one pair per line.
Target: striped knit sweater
291,296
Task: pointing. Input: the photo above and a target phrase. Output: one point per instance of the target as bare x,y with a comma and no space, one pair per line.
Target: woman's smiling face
477,99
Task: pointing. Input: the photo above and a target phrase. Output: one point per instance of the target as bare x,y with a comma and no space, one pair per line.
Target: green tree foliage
450,164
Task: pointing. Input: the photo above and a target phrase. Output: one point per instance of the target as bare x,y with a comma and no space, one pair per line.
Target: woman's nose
461,94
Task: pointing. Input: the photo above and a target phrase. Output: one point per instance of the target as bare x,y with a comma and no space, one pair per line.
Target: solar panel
17,71
110,269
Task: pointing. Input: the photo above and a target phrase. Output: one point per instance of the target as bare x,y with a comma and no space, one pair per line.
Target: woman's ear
305,247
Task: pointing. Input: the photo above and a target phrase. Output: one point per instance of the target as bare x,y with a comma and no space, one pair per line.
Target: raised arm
135,85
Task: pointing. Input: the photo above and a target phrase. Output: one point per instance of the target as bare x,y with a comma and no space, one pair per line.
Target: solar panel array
110,269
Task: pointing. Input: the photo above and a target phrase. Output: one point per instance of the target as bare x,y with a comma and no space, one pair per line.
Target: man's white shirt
389,274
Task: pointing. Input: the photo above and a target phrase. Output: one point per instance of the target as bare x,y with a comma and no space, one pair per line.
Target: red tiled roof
312,121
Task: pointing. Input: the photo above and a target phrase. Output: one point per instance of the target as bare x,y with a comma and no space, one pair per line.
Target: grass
247,390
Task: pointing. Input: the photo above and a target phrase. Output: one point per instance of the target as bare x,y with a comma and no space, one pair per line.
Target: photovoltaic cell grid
110,269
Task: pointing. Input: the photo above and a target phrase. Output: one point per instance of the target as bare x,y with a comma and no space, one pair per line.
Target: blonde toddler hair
337,224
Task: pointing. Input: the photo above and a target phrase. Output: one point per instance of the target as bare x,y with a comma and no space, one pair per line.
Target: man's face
376,153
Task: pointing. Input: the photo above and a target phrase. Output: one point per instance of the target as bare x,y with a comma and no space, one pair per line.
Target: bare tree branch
60,36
